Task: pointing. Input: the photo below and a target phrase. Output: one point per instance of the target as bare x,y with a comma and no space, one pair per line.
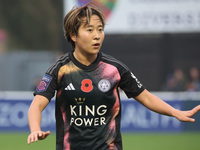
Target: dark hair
73,19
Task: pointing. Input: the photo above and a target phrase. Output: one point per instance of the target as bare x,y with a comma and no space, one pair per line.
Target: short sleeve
130,84
47,86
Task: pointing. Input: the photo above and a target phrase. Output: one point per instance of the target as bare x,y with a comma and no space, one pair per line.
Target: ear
73,37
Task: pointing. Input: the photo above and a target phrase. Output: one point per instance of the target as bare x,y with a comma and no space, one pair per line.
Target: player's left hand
185,116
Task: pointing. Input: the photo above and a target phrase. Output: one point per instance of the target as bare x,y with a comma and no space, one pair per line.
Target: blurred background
159,43
159,40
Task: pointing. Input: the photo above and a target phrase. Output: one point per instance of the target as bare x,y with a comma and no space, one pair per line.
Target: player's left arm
155,104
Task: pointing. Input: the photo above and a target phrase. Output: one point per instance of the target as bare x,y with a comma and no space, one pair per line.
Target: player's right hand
37,135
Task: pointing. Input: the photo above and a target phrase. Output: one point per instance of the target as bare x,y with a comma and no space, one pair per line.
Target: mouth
96,45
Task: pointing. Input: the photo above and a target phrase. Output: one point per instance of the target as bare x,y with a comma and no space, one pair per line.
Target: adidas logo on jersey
70,87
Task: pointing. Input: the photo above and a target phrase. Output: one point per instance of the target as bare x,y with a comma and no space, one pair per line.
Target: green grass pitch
133,141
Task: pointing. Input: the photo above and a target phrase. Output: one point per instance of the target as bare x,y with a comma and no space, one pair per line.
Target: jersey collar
84,67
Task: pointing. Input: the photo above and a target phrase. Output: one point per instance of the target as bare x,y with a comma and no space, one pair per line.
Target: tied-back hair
74,19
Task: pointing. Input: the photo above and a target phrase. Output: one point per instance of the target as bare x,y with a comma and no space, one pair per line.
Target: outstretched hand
185,116
37,135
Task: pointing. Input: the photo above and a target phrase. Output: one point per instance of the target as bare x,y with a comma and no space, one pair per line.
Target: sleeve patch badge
44,83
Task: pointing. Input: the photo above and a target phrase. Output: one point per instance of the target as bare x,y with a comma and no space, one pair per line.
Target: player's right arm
38,104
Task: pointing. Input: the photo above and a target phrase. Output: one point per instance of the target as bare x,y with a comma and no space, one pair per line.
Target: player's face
90,37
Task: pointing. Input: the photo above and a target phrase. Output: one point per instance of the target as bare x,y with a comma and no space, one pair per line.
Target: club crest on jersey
44,83
104,85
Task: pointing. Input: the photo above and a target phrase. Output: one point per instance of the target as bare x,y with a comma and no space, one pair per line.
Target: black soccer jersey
88,108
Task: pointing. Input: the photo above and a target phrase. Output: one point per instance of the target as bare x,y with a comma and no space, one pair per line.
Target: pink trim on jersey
111,73
115,112
66,144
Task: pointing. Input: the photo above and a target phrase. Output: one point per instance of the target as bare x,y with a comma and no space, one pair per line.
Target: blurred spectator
3,41
176,81
170,84
181,81
194,83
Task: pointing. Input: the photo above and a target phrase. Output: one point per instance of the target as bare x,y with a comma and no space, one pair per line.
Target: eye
90,30
100,29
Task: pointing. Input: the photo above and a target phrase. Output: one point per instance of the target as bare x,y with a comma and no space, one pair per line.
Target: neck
85,59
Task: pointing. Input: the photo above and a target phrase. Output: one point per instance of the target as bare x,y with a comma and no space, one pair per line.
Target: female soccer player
86,82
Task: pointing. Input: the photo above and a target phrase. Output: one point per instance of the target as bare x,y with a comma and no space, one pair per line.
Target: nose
96,35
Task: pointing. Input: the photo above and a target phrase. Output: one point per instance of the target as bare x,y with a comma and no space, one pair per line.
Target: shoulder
113,61
62,60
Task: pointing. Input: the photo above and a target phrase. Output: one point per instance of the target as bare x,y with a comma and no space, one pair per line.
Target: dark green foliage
32,24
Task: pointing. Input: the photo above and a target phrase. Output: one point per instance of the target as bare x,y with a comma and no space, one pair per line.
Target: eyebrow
88,26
